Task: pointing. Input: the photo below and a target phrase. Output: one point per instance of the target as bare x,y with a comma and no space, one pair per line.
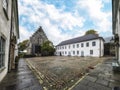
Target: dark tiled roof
80,39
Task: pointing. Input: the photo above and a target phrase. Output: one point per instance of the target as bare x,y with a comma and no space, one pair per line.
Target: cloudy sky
64,19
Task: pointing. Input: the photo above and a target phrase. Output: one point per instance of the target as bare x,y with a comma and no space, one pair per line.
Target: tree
91,31
47,49
22,45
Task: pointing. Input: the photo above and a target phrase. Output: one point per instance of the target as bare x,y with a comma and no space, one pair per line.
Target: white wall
85,50
5,32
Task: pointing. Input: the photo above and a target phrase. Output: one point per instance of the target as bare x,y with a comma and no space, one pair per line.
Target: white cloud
24,33
52,20
101,19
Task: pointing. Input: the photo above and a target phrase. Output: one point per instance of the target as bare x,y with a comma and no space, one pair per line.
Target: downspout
10,36
100,48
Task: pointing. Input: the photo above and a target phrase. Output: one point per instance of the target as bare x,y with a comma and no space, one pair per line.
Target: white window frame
93,43
91,52
77,45
82,44
77,52
87,44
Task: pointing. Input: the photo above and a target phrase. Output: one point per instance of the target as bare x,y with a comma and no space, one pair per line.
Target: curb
37,73
78,81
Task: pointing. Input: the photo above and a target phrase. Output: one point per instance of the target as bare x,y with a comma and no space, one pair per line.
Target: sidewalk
22,79
100,78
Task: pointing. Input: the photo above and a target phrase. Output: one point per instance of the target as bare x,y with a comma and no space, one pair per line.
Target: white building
87,45
116,27
9,33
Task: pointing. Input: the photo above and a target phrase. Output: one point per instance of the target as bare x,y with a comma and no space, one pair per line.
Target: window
91,52
5,7
69,53
77,52
73,46
65,52
2,52
82,45
69,46
65,47
73,52
87,44
93,43
77,45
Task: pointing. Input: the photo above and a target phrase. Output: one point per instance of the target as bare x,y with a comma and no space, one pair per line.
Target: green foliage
22,45
47,48
91,31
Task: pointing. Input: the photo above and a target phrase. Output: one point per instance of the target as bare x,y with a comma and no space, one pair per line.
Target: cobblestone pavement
22,79
59,72
100,78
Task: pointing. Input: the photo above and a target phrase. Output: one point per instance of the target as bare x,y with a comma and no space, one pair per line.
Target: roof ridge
79,39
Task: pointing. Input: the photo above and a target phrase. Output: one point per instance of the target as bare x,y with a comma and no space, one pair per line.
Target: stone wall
36,40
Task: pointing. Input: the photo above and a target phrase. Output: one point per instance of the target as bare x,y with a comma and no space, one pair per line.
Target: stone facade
9,33
116,27
109,47
35,42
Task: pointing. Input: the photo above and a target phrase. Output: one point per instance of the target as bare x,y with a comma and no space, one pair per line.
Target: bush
47,49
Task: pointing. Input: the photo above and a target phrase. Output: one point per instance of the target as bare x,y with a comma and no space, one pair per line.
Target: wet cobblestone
21,79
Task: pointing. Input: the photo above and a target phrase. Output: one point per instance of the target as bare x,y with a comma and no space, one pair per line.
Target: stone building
116,28
87,45
35,42
9,33
109,47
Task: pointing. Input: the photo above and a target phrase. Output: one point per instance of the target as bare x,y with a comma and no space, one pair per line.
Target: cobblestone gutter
39,76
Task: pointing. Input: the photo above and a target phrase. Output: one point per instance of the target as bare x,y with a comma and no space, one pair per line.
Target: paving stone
11,87
94,73
90,78
92,88
98,86
21,79
115,84
23,85
35,87
103,82
106,79
80,87
84,82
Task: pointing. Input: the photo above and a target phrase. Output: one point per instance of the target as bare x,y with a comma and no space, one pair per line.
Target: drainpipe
100,48
9,62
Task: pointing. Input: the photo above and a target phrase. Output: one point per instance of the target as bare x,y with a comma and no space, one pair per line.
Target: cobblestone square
61,72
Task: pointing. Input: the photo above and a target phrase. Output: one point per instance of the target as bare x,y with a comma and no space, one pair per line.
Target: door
82,54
